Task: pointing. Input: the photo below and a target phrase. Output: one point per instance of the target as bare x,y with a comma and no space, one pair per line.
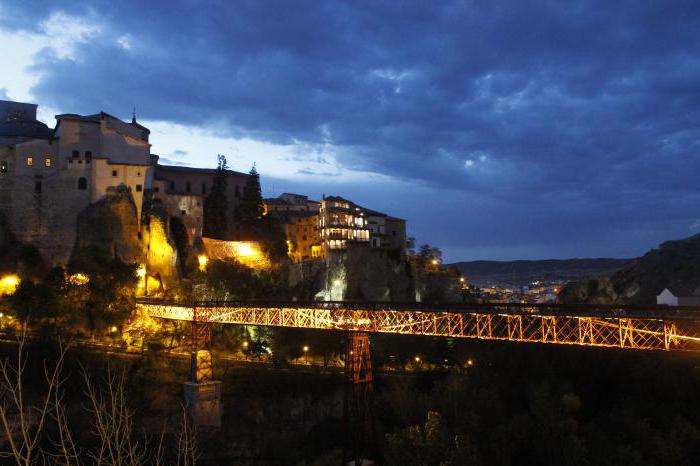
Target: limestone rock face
111,225
675,264
371,275
438,286
360,274
161,252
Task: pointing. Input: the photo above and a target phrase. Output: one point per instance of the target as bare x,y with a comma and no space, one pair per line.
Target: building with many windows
342,222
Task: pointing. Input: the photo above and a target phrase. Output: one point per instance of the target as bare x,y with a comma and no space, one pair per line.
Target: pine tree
216,204
249,212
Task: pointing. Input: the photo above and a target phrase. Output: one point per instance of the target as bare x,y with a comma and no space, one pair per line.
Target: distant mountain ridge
521,272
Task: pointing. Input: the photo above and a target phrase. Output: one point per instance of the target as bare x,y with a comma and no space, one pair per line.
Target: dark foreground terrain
516,404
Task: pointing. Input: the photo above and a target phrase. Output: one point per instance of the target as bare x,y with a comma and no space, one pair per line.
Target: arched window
82,183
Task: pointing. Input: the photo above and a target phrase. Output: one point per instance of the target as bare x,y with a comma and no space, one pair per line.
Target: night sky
499,130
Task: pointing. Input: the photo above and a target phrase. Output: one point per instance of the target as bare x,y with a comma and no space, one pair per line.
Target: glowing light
248,253
461,279
470,362
113,329
78,279
9,284
141,271
245,344
435,262
306,349
1,315
337,282
417,359
203,261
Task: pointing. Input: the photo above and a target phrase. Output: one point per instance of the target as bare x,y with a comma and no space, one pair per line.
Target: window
139,188
37,187
172,186
204,188
238,192
88,156
30,161
114,173
188,187
47,162
183,212
76,154
3,166
156,189
82,183
138,173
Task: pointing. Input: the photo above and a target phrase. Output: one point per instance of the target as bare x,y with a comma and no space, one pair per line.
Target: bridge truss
599,327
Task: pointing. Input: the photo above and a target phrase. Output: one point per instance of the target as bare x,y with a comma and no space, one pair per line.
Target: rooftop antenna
133,116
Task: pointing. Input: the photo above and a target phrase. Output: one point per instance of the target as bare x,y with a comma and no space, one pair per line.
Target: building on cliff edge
48,176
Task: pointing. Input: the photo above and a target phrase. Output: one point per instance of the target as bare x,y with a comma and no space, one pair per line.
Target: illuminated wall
248,253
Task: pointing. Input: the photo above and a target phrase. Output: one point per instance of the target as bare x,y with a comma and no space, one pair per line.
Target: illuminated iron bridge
634,327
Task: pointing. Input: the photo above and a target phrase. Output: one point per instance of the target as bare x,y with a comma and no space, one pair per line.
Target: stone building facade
49,176
183,190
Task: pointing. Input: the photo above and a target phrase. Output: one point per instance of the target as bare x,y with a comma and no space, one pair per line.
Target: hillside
674,264
522,272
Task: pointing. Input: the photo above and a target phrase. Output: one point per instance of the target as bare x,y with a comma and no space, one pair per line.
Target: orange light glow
9,284
203,261
78,279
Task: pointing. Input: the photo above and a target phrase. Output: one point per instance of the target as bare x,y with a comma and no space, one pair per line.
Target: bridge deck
604,326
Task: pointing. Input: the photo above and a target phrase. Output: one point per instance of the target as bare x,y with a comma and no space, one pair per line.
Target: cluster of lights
78,279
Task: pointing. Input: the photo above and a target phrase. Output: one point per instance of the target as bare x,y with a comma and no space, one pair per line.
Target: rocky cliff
674,264
371,274
358,274
111,225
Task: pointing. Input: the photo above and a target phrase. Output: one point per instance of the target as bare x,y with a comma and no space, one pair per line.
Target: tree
216,204
249,212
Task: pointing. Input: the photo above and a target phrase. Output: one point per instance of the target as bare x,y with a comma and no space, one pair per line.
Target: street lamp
306,352
470,362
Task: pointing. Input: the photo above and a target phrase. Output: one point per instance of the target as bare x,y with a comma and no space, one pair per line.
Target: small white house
677,297
666,298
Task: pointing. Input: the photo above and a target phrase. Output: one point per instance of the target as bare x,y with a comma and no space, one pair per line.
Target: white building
678,297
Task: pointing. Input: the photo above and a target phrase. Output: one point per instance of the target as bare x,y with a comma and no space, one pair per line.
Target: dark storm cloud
572,124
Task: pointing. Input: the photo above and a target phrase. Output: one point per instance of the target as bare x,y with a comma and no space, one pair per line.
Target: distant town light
9,284
203,261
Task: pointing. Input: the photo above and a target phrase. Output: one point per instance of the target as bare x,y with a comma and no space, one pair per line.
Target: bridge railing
545,309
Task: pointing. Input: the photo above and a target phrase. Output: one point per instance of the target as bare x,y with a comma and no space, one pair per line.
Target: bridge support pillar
359,427
202,393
